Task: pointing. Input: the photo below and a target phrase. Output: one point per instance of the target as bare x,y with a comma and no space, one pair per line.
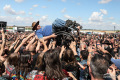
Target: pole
114,28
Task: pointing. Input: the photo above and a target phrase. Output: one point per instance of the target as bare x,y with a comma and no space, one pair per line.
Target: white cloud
19,1
63,0
18,18
96,21
25,21
78,3
18,21
68,17
30,13
103,11
104,1
35,5
45,21
44,18
111,18
96,17
21,12
37,15
9,10
113,23
44,6
64,10
31,8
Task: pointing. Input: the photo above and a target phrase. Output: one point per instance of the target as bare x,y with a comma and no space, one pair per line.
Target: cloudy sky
91,14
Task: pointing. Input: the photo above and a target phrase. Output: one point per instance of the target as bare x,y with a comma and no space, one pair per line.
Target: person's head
36,25
82,38
116,45
119,44
32,49
107,56
53,68
98,66
85,38
24,65
87,42
22,49
111,39
13,59
84,54
68,56
92,40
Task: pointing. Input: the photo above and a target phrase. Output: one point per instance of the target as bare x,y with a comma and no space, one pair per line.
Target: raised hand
63,48
112,72
73,45
2,30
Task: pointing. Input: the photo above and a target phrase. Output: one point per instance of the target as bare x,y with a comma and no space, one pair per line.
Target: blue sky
91,14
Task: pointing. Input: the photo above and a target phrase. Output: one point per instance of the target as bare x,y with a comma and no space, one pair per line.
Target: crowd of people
27,56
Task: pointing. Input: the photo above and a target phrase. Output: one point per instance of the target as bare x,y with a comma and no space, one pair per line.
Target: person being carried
48,31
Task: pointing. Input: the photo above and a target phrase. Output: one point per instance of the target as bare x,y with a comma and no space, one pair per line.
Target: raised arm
48,37
3,42
73,47
27,47
44,44
13,44
62,50
2,46
32,34
38,46
23,41
17,44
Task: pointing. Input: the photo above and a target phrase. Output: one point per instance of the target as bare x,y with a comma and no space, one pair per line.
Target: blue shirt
82,72
45,31
116,62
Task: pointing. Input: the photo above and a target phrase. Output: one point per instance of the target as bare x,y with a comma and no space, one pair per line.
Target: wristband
83,68
77,58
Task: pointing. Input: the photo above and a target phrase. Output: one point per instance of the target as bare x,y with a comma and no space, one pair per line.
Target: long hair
68,57
25,67
14,60
53,67
39,63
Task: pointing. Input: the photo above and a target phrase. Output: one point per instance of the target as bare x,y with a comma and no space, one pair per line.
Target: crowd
25,56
